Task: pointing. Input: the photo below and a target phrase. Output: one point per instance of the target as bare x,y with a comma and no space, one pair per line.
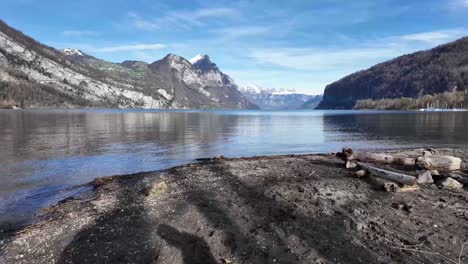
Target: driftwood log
393,187
351,155
388,175
442,163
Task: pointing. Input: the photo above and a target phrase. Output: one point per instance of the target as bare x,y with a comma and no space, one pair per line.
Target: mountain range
270,98
441,69
35,75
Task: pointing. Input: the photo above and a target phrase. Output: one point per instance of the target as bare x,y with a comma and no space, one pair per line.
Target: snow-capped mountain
214,88
39,76
270,98
197,58
72,52
254,89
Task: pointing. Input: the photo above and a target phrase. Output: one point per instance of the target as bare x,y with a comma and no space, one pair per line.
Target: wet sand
280,209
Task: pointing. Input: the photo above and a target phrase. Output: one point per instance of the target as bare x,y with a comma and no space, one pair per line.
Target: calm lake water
46,154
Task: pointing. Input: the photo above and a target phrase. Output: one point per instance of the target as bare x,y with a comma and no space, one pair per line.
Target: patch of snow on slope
254,89
72,52
250,88
197,58
283,91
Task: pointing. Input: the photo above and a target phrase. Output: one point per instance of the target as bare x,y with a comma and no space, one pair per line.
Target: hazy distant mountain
313,102
268,98
442,69
35,75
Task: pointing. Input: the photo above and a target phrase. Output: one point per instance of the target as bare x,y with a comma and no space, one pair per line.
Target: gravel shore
280,209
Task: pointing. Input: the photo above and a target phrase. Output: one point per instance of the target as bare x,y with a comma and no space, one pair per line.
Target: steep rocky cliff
35,75
441,69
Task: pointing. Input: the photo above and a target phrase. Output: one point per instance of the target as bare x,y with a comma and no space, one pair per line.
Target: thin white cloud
457,5
132,47
463,3
367,54
436,37
230,33
316,59
179,19
79,33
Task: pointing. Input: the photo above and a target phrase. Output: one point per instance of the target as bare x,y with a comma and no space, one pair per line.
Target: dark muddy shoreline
280,209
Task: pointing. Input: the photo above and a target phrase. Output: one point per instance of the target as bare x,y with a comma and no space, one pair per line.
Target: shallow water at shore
46,153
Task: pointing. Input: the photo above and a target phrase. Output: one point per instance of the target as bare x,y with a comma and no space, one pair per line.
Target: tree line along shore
447,100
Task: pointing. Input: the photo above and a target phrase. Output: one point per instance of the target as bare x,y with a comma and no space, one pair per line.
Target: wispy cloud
436,37
132,47
463,3
317,59
80,33
365,54
457,5
231,33
179,19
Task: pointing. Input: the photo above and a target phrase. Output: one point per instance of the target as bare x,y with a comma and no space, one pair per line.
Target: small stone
220,157
450,184
397,206
97,182
156,189
425,178
361,173
350,164
408,207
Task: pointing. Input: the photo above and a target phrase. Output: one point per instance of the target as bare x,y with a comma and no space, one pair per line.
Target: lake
47,155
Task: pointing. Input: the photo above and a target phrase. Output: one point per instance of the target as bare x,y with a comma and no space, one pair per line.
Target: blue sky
300,45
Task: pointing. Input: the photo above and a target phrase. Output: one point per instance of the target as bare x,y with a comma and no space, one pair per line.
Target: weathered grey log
388,175
378,157
432,162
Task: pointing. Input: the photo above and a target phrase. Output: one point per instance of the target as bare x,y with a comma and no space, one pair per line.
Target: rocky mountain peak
173,57
72,52
203,63
199,57
174,61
